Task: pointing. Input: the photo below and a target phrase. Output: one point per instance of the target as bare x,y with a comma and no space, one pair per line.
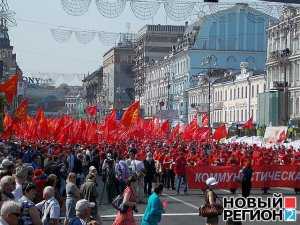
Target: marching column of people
49,181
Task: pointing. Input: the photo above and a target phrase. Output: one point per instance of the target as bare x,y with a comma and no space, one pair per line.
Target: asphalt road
183,209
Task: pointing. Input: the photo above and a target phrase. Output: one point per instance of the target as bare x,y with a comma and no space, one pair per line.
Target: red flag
220,132
204,119
39,114
175,132
249,124
21,111
282,137
10,88
165,127
91,110
131,115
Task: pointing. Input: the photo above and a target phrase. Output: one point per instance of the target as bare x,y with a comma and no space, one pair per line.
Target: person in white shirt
49,208
20,177
10,213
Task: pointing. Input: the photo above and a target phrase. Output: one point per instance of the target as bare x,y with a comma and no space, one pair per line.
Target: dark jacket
150,169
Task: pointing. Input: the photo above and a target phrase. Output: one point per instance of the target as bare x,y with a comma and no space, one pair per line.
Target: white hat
84,204
92,168
211,181
6,163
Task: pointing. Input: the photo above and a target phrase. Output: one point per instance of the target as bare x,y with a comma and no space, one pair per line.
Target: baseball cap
211,181
84,204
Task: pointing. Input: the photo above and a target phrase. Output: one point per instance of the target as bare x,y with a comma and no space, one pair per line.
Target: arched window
231,62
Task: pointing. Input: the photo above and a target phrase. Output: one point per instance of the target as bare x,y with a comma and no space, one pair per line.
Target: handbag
208,210
118,204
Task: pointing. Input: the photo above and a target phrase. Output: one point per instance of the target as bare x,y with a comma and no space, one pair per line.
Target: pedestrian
6,168
10,213
30,214
49,208
154,209
246,179
111,181
73,194
211,198
89,192
7,186
20,177
150,172
122,173
129,200
180,171
83,212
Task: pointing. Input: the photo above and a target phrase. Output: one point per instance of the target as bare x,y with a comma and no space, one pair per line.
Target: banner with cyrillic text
229,177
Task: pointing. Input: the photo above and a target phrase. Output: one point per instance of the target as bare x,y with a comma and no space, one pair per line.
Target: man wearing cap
83,212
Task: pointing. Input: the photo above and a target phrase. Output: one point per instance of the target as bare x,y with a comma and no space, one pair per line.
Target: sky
37,51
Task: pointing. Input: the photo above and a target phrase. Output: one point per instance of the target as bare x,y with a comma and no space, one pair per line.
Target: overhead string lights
146,9
177,10
76,7
62,34
110,8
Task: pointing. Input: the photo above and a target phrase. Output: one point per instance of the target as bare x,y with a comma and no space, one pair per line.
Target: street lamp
210,62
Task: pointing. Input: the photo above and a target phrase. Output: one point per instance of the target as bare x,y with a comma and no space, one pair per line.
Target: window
238,93
225,95
237,115
246,92
230,94
234,93
246,114
242,115
242,92
297,106
252,91
257,90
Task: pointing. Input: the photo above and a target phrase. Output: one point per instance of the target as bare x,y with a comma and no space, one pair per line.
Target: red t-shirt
180,166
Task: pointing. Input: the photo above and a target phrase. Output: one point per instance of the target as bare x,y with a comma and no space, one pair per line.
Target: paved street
183,209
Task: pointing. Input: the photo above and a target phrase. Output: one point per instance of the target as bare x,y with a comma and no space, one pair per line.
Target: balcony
218,105
281,56
200,107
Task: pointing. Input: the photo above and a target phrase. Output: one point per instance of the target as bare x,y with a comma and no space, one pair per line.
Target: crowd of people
40,183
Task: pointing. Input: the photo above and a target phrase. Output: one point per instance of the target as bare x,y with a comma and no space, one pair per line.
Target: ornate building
283,64
219,41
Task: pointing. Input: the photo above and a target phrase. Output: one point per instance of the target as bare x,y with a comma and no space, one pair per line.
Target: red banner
263,176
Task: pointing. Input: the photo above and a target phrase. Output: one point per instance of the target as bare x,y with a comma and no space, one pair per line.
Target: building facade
73,102
218,41
283,61
93,88
153,43
8,64
118,77
234,96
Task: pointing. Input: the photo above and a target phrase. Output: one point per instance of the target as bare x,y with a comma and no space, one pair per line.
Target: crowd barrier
263,176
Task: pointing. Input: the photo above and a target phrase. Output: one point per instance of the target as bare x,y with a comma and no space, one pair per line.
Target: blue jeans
181,179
